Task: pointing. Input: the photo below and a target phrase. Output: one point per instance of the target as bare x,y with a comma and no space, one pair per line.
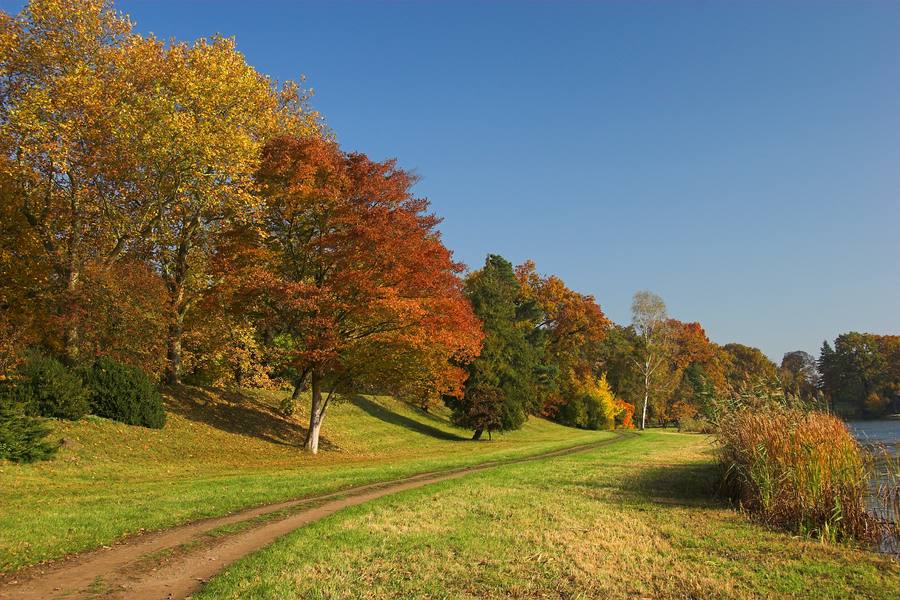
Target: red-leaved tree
347,276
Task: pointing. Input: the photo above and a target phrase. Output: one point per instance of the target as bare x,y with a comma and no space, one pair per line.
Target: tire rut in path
129,570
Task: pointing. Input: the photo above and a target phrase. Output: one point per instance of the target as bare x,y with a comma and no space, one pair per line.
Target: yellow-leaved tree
119,145
64,104
204,125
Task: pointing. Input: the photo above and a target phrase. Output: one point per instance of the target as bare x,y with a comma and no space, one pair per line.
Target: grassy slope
629,520
220,452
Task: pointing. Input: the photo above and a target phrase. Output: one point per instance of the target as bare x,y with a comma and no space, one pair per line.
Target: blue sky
741,159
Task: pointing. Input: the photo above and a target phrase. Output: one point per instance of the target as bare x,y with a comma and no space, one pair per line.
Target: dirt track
174,563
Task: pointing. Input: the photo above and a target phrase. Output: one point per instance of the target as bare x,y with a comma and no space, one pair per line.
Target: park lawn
220,452
633,519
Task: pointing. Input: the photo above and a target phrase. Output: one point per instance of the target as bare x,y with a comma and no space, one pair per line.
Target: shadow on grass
693,484
237,413
379,412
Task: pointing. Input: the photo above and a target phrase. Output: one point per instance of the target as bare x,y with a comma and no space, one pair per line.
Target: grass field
220,452
633,519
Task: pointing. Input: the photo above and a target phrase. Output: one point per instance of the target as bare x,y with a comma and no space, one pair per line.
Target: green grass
633,519
220,452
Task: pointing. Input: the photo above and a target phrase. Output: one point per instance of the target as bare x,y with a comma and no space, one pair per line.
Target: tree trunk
316,414
176,274
646,394
173,351
73,273
477,435
644,414
71,332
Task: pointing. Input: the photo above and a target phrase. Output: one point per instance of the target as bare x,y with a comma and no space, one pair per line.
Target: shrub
799,470
287,406
43,386
21,436
123,393
624,414
573,413
591,405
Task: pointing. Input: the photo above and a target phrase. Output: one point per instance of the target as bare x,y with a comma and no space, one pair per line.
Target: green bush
288,406
43,386
125,394
21,436
574,413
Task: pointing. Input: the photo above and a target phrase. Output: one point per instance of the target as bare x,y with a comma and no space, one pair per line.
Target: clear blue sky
741,159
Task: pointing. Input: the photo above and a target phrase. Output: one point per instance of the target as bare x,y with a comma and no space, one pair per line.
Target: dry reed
800,470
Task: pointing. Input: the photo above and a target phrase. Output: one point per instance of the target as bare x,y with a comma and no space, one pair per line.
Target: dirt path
174,563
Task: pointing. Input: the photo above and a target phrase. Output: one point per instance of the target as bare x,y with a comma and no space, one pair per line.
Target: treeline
860,374
685,379
169,214
674,374
167,208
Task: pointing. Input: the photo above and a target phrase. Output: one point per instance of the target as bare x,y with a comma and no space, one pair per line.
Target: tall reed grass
798,469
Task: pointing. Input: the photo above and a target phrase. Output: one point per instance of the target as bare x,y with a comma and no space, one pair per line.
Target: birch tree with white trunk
649,317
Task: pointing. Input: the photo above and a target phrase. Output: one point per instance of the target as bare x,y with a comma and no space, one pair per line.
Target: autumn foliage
345,269
166,206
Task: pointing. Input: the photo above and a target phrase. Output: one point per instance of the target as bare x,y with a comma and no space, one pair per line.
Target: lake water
885,432
880,434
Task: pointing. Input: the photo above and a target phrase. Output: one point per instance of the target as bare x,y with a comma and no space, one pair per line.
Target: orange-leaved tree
346,273
575,326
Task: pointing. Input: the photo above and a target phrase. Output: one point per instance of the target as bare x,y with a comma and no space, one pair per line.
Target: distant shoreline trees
860,374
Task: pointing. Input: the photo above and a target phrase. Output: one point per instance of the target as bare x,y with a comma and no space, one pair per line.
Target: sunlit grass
220,452
636,519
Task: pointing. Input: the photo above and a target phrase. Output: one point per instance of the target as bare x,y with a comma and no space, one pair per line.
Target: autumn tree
745,364
119,147
649,318
65,105
690,372
346,274
123,315
574,327
799,374
208,116
504,383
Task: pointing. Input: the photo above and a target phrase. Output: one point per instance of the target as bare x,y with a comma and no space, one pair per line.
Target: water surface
884,431
877,436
